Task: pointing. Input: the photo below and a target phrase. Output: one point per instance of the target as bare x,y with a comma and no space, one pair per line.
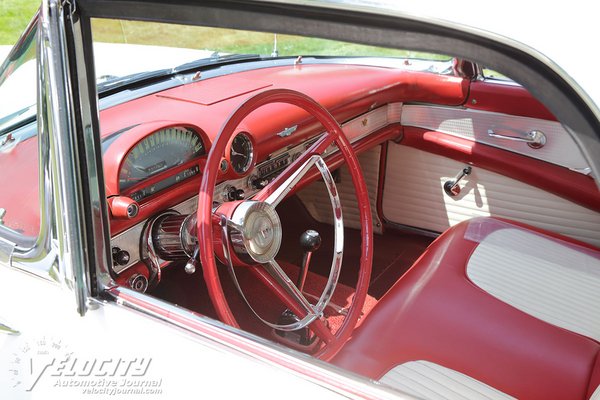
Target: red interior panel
214,90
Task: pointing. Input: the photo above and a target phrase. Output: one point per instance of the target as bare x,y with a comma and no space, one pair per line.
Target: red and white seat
492,309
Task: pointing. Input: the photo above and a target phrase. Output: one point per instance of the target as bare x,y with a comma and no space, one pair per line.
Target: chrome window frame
70,237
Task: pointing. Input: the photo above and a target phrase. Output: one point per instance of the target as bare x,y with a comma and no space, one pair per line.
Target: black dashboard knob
120,257
260,183
235,194
239,194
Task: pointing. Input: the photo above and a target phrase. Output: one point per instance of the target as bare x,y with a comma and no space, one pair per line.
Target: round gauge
158,152
241,153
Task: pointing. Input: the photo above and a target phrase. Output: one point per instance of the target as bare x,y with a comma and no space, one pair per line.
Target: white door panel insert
418,199
316,199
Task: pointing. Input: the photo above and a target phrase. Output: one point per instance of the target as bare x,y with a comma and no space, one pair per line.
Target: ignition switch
235,194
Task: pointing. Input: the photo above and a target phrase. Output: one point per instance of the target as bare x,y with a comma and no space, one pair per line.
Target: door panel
413,195
559,148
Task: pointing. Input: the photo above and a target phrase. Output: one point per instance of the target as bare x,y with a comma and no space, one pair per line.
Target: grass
14,17
15,14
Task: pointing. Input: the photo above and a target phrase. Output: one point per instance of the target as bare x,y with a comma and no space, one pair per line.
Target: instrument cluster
161,151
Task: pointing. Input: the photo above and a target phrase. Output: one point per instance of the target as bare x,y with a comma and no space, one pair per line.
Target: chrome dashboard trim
129,240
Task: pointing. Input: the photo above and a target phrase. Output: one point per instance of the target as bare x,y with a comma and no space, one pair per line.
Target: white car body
52,337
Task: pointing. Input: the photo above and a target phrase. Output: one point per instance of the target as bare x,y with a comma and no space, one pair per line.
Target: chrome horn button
259,231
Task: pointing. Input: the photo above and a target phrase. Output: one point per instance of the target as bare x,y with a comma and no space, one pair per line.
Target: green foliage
14,17
234,41
15,14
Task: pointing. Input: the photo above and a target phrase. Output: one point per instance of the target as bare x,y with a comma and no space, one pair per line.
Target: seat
492,309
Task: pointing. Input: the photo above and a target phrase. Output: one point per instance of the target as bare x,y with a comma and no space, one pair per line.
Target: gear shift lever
310,241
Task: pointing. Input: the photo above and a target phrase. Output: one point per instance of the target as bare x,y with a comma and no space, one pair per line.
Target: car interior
435,230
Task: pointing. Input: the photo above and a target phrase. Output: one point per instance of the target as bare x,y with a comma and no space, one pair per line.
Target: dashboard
168,158
155,146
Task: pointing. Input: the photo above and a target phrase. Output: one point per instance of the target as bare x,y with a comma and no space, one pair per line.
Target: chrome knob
190,266
138,282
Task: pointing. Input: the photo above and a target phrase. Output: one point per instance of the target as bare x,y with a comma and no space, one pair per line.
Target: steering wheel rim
207,220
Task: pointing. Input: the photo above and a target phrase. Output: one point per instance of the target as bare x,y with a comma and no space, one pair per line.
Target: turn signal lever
310,241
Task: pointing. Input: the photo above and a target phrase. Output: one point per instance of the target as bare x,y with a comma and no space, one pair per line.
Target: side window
495,75
18,138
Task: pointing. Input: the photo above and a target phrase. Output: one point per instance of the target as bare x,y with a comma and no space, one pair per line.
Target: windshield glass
133,49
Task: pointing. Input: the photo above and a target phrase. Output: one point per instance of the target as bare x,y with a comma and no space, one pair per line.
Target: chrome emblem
287,131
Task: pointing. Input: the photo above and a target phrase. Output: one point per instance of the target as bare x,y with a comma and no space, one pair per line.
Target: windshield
126,51
18,83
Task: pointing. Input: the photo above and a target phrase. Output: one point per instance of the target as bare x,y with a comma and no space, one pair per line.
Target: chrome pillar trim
58,253
65,164
97,215
41,250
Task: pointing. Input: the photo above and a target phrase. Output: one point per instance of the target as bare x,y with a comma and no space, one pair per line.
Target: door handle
534,139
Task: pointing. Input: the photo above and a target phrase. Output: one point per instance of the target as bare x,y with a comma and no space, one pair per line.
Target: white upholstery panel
316,200
551,281
413,195
426,380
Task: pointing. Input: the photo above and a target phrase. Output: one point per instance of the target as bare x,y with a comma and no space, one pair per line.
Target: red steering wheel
256,226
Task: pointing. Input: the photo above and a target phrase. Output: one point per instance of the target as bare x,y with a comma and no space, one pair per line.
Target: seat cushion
427,380
437,314
552,280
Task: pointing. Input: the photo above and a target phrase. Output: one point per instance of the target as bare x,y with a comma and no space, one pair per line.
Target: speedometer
158,152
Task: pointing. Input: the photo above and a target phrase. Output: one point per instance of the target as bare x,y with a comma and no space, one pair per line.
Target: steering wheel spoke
280,192
279,187
273,268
